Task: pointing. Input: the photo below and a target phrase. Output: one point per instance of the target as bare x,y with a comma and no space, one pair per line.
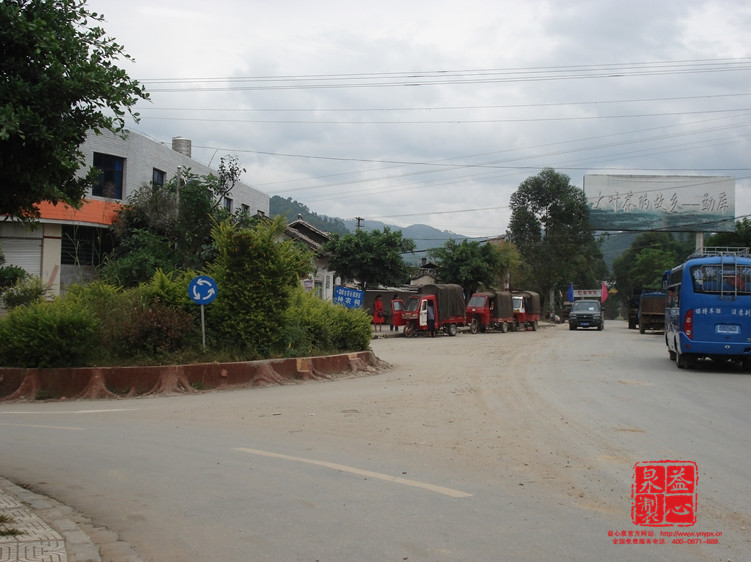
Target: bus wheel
452,329
474,326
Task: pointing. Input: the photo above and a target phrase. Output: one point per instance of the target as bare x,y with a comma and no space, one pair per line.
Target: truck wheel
474,326
452,329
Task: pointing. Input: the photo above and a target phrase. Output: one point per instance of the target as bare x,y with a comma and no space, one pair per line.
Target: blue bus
708,310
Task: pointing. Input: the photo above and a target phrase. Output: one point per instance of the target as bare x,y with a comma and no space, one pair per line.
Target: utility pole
359,222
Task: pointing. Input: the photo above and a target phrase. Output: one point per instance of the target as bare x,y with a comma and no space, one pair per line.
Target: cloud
435,112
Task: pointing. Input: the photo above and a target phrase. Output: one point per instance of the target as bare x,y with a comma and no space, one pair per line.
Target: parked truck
633,309
492,310
526,310
448,306
652,311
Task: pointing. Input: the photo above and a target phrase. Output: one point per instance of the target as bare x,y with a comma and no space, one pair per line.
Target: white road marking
76,411
360,472
43,426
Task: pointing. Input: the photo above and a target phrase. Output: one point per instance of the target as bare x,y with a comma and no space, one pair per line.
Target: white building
61,249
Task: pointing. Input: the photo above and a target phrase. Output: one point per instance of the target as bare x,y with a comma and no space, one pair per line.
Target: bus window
721,279
674,293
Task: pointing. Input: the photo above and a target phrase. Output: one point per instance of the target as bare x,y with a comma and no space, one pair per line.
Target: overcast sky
434,112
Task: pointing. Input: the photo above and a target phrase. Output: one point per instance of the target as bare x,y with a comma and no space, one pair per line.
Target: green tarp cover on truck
503,303
450,299
531,301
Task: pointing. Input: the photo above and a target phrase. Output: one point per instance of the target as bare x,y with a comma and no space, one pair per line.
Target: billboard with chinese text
666,203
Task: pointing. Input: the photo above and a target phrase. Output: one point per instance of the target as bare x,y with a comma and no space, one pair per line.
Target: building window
157,178
110,181
84,245
228,204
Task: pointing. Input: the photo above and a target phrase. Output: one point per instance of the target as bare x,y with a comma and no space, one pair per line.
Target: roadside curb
53,532
47,533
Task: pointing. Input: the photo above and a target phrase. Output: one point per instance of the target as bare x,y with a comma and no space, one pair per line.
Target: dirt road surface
517,446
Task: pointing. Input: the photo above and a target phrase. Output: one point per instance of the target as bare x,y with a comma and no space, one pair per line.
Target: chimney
182,145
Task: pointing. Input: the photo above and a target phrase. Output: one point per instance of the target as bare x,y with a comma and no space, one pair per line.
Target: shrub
47,334
155,330
256,274
314,327
106,303
10,275
351,329
27,290
139,325
170,289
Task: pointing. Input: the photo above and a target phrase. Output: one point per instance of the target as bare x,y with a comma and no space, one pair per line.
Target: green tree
650,265
59,80
740,237
550,227
648,257
470,263
170,228
370,258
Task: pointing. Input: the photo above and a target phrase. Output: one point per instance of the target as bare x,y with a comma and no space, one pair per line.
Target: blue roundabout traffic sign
202,289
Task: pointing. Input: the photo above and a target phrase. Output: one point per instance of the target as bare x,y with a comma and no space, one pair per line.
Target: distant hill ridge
424,236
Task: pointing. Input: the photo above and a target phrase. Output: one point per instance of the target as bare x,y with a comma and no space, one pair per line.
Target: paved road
516,446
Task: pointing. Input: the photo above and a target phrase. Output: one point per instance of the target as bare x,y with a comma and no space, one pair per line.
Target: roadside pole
203,290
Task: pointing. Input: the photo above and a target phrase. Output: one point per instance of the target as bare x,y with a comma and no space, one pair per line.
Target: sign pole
203,330
202,290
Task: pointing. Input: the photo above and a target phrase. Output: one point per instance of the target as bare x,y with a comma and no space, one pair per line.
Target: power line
455,121
444,77
439,108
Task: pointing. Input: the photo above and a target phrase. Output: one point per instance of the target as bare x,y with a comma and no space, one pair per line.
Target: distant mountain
614,244
424,236
290,209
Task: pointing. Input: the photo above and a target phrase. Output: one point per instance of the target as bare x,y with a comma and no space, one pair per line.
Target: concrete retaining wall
120,382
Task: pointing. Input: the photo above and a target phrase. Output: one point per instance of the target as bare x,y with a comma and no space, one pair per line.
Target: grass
5,531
